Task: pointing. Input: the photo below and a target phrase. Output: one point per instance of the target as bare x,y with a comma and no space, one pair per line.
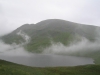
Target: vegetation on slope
39,43
49,30
55,30
8,68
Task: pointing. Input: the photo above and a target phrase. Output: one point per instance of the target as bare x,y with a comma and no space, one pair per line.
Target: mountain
49,30
36,37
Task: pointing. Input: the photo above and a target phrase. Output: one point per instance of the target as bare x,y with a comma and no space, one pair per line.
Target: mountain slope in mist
41,34
57,36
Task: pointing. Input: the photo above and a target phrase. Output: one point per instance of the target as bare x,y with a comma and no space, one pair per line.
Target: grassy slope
56,30
7,68
43,41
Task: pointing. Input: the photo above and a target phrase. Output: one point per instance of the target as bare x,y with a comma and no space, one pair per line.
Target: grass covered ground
8,68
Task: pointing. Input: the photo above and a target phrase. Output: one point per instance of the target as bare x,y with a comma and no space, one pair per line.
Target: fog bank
82,46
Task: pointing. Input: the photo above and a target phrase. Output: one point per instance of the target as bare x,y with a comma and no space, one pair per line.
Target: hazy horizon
15,13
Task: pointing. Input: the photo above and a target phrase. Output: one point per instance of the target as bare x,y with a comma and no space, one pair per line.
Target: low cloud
15,49
83,46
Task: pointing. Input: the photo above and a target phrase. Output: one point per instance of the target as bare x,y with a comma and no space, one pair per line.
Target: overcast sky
14,13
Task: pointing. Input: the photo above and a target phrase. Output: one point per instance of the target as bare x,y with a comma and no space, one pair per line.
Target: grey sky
14,13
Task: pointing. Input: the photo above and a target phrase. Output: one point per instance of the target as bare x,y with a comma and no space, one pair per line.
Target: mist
15,49
24,36
82,47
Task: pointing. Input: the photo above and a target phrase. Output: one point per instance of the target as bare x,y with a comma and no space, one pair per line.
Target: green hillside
44,32
8,68
56,30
